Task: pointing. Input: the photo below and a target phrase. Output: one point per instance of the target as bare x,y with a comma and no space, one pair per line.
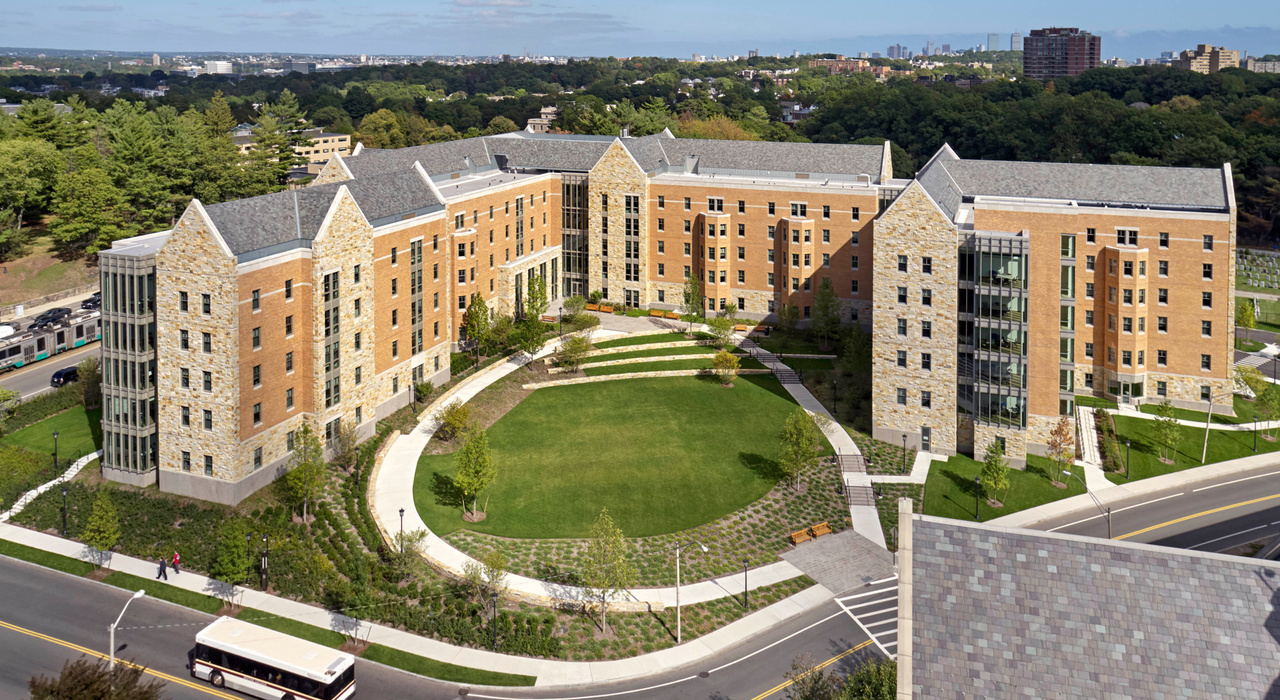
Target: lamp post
266,552
745,605
1128,448
402,530
678,548
1255,437
835,395
248,555
1096,502
64,510
977,496
55,454
112,629
904,453
495,620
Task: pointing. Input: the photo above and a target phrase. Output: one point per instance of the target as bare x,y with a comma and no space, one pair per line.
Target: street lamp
64,510
495,620
112,629
977,496
1096,502
1128,448
402,530
1255,433
266,552
904,453
835,395
678,547
745,605
55,454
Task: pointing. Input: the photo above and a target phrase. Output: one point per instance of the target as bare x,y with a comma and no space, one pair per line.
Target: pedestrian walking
163,572
176,559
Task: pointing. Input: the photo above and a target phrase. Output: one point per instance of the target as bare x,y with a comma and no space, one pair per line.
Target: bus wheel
288,696
216,679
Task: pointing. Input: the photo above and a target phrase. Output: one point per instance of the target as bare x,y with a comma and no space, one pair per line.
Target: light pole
1255,439
64,509
248,555
402,530
495,620
1128,448
904,453
835,395
55,454
266,552
678,548
745,605
977,496
112,629
1096,502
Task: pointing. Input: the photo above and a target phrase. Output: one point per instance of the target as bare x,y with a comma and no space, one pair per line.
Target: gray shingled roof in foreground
647,150
769,156
547,154
436,158
1006,613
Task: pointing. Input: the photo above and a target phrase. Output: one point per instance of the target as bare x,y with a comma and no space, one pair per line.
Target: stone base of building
132,478
914,441
207,488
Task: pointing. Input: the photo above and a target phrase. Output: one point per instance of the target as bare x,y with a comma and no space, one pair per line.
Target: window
742,207
208,420
1068,246
1208,244
288,362
256,300
207,381
183,340
826,260
926,265
902,295
902,397
771,255
687,204
1162,357
772,231
288,397
257,375
1088,380
395,286
1162,324
1206,300
771,209
688,226
771,283
742,253
1163,268
926,297
902,326
206,307
1111,322
1091,235
1162,388
1206,271
902,358
854,262
795,260
1090,263
257,414
1205,393
1142,268
926,399
257,338
926,329
715,204
1142,297
687,249
1162,296
1128,268
1142,358
395,318
182,301
208,465
1088,290
1127,324
1111,294
1128,297
186,416
356,308
186,461
1164,240
662,202
742,277
1142,324
1088,350
853,238
926,360
1088,317
826,235
1124,237
800,211
462,302
902,263
826,212
853,286
1206,362
855,213
1111,267
1206,328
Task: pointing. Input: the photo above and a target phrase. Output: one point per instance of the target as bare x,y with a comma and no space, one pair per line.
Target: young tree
995,473
800,441
873,680
826,312
722,328
535,302
811,682
474,466
608,570
726,365
1062,448
86,679
494,566
103,529
691,299
403,557
528,336
455,418
1251,377
1269,407
572,352
346,445
789,316
1245,317
90,379
575,305
477,322
1168,431
231,558
306,468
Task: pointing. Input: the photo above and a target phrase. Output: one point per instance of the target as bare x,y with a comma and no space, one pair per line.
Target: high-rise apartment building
1058,51
1015,42
993,42
1208,59
155,59
1011,287
218,67
997,291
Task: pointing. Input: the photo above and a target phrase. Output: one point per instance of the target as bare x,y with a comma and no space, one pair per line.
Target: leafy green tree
9,399
381,130
527,336
306,468
691,299
1269,407
231,558
455,418
726,365
826,312
1168,431
93,679
477,322
1244,316
474,467
873,680
995,472
345,445
102,531
1252,377
501,125
89,376
800,441
811,682
535,302
29,172
789,316
575,305
608,570
1062,447
572,352
722,328
89,211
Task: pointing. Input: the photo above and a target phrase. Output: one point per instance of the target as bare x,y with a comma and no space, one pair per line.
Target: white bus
254,660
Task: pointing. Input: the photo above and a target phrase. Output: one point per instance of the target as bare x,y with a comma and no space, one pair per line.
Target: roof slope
549,154
1006,613
821,158
436,158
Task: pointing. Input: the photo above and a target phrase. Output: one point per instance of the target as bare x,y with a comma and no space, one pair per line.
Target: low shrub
460,362
38,408
1108,443
454,419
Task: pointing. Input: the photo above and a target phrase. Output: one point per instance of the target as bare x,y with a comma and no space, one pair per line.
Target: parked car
92,302
49,318
66,375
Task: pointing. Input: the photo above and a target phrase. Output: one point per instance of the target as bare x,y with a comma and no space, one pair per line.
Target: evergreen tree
135,166
88,210
271,150
103,529
293,123
218,119
39,119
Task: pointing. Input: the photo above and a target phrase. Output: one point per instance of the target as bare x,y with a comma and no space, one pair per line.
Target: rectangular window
742,253
186,461
854,262
1088,350
1090,235
1128,268
256,300
902,263
207,381
926,329
1162,357
1088,290
206,305
826,212
902,397
257,375
1208,244
926,360
742,277
902,326
1207,271
208,419
1163,268
1088,317
1162,324
1128,297
1206,328
902,295
855,213
926,399
208,465
687,204
184,342
772,232
186,416
662,202
1162,296
926,297
257,414
1162,388
926,265
1206,300
902,358
1124,237
1090,263
288,362
257,338
853,286
742,230
1127,324
1164,240
182,301
1068,246
1206,362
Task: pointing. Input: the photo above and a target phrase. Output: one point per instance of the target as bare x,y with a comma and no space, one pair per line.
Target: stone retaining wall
809,357
638,375
631,361
641,346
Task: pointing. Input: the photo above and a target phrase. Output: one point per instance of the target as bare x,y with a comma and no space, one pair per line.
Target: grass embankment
667,366
1144,453
950,490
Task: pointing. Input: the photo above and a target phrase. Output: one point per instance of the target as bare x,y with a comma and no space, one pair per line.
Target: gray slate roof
1116,185
436,158
1006,613
548,154
769,156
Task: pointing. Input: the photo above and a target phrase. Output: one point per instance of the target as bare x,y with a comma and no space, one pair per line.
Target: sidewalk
919,471
1090,461
1131,411
30,312
548,672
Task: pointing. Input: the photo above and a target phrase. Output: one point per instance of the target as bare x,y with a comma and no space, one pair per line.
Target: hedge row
36,409
1108,443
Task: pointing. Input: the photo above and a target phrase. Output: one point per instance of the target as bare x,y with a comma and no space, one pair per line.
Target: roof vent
864,178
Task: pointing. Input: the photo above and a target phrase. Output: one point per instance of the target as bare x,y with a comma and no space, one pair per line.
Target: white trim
270,260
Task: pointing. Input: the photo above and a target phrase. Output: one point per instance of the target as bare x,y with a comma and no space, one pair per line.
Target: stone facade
615,176
917,229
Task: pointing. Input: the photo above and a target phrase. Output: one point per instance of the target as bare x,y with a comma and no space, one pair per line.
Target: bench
820,529
801,536
672,314
606,309
549,319
659,313
593,307
741,328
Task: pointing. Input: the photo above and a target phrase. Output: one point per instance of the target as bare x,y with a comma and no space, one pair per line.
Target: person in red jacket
176,558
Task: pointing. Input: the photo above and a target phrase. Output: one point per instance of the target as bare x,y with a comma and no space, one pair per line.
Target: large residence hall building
327,303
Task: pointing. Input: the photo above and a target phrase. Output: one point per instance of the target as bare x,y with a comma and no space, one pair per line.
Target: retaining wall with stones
638,375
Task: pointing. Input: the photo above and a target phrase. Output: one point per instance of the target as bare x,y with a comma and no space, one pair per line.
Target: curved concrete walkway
393,490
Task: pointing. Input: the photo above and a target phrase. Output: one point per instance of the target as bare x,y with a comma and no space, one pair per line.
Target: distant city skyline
608,27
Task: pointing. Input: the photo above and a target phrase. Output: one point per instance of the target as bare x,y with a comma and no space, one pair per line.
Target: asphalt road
48,618
34,379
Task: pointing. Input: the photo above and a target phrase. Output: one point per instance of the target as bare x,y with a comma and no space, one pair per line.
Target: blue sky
615,27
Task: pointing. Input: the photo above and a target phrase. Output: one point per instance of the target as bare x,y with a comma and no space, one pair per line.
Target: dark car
49,318
93,302
65,375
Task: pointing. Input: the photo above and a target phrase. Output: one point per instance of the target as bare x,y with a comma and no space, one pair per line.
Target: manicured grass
1247,345
1095,402
164,591
1245,411
45,559
950,490
654,352
1243,286
1145,452
661,454
79,433
293,628
1269,313
797,343
808,363
648,339
441,670
699,363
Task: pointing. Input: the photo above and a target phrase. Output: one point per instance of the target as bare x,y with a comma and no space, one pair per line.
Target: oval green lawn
662,455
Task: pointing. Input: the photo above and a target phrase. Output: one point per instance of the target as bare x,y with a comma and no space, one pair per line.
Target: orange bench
801,536
741,328
593,307
672,314
548,319
606,309
821,529
656,313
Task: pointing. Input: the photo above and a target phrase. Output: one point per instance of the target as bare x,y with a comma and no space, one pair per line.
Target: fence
9,310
